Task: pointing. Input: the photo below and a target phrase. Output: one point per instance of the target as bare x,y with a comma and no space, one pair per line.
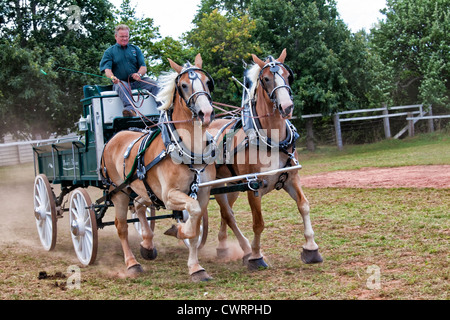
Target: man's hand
115,80
136,76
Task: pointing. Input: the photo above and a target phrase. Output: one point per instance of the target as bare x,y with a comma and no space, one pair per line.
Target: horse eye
184,86
266,79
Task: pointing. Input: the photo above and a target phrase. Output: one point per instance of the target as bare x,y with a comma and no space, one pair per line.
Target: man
123,63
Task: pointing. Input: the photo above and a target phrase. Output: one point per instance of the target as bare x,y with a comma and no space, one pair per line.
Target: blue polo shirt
123,61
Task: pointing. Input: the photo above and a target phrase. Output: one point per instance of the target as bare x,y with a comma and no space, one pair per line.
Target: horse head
276,79
194,85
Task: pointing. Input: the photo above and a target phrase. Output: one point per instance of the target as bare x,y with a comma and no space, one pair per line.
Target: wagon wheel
150,212
45,212
83,226
203,230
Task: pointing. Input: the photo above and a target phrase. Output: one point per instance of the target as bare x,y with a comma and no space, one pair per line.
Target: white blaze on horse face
283,96
203,106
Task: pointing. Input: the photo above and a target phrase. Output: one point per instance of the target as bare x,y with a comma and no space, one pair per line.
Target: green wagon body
75,161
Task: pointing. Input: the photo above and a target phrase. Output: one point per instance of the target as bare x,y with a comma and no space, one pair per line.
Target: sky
174,16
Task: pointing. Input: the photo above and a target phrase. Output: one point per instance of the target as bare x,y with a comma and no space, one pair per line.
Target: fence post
410,124
337,128
430,121
387,127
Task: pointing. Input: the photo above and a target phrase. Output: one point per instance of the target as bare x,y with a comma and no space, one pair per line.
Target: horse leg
148,249
310,252
121,202
177,200
256,260
226,202
196,271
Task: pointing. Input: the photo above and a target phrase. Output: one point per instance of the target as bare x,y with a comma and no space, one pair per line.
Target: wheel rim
83,227
45,212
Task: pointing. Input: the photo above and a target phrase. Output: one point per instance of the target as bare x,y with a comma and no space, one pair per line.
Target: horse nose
206,117
286,112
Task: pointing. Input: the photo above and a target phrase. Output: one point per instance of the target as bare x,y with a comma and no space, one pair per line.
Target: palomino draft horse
263,125
172,169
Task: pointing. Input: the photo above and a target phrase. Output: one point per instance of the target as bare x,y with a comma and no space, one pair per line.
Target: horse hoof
135,270
201,275
222,253
149,254
172,231
311,256
257,264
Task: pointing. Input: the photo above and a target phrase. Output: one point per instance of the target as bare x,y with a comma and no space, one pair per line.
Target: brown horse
186,111
263,126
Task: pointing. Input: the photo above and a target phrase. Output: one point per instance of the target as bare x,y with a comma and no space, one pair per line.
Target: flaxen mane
253,74
167,85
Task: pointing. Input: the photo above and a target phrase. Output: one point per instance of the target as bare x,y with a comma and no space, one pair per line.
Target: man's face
122,37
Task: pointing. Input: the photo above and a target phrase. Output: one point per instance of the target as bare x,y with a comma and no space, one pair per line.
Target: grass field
425,149
397,236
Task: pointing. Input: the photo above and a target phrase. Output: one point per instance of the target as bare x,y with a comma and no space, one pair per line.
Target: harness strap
149,137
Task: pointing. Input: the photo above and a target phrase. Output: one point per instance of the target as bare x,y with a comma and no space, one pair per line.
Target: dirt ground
18,233
433,176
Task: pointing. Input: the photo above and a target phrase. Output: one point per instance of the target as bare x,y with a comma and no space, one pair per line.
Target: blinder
192,76
275,67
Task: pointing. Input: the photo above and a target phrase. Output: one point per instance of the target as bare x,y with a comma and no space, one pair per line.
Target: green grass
426,149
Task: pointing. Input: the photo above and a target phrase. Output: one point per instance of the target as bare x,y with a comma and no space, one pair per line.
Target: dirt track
402,177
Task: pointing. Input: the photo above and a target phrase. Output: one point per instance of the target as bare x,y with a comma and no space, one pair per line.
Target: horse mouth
286,113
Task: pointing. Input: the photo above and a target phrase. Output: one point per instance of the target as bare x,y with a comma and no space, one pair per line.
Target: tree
38,37
414,41
224,41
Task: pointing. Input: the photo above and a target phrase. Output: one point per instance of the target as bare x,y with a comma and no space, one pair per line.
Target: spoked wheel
83,226
203,230
150,212
45,212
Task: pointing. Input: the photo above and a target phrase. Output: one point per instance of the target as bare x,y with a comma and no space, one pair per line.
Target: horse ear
198,61
258,61
282,56
175,66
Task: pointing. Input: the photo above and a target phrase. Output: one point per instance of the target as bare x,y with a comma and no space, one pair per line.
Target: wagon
73,163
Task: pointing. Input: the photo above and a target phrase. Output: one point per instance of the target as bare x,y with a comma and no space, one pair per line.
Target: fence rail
411,118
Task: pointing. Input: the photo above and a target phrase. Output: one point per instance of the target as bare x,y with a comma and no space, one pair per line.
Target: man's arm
110,74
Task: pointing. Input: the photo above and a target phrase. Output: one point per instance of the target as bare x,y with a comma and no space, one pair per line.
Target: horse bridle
193,76
275,67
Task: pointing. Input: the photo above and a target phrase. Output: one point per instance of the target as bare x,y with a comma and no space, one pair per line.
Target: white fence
15,153
412,114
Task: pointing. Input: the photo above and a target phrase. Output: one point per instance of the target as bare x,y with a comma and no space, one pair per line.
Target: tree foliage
38,37
224,42
405,59
414,42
